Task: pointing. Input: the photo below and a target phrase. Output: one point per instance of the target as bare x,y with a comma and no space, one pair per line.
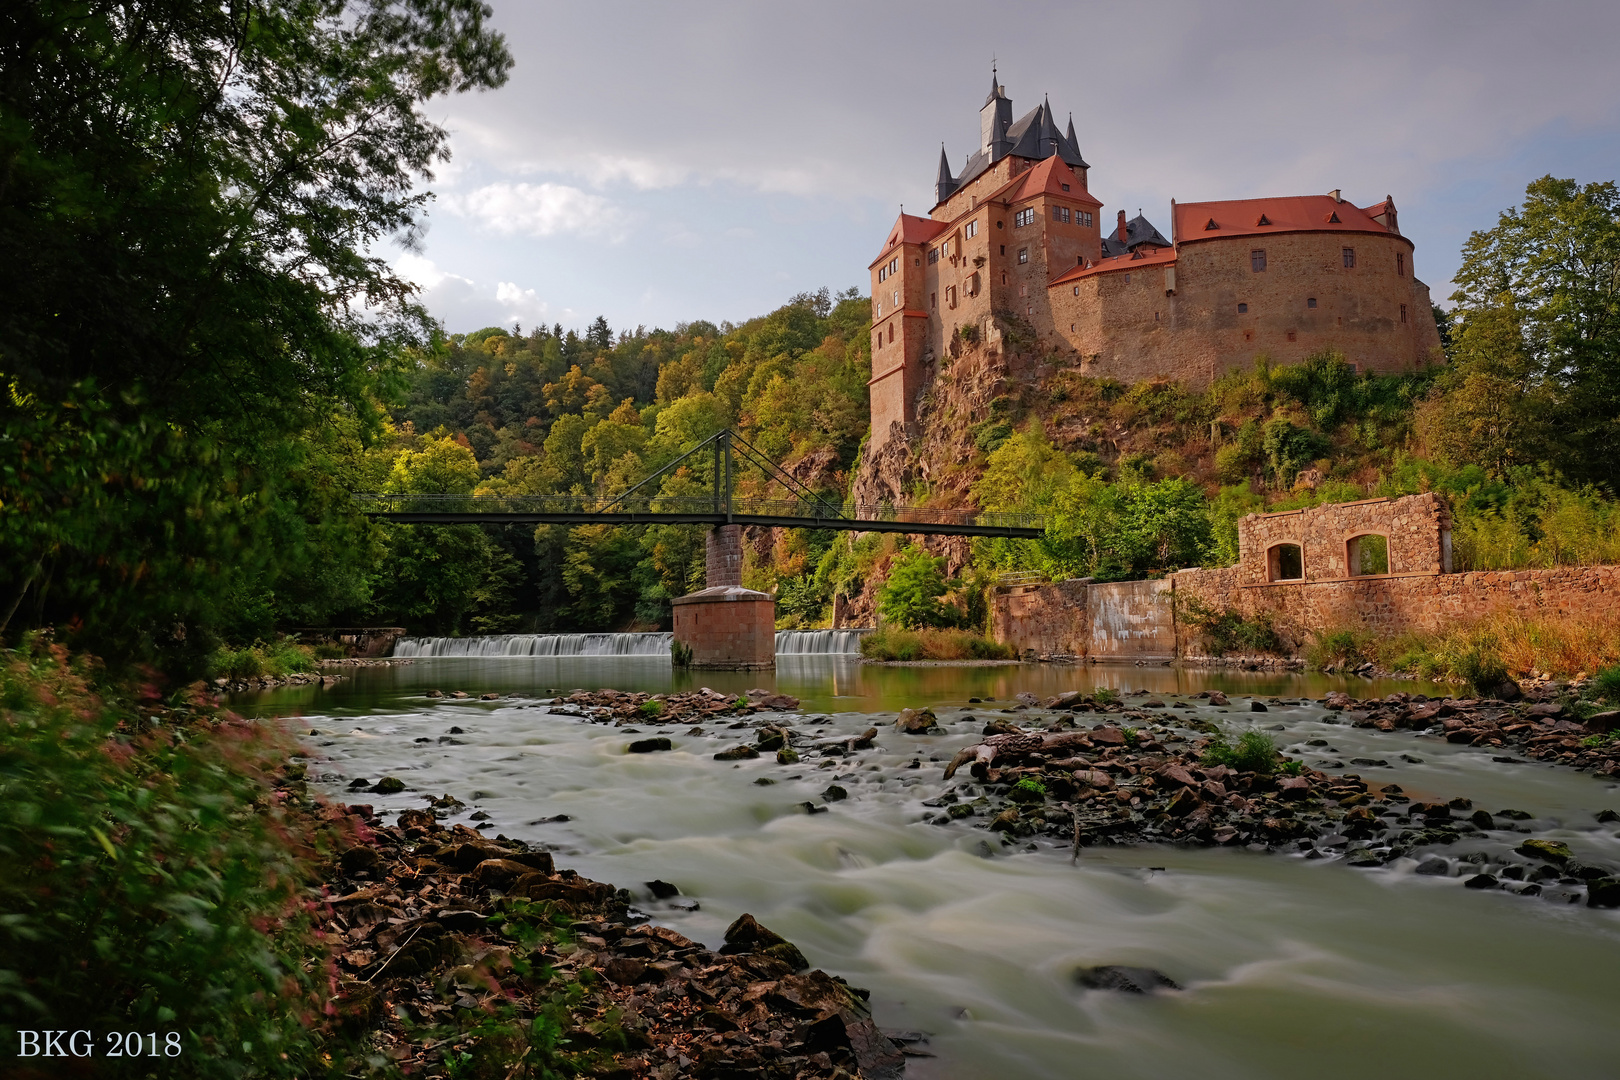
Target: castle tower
994,120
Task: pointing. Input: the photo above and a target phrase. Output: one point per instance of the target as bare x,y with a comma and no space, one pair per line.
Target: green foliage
1255,752
1345,647
651,709
1227,631
1605,685
1538,324
910,598
1027,790
1104,695
275,660
1481,669
1291,767
152,884
888,643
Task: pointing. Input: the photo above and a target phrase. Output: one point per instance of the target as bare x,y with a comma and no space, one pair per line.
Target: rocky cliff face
978,384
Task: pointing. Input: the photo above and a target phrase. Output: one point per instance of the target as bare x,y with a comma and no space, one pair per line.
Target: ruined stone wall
1050,620
1417,529
1055,619
1395,604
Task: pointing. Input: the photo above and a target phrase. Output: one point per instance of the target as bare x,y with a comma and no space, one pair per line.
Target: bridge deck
584,510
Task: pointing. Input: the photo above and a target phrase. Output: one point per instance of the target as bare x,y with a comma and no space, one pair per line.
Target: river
1291,967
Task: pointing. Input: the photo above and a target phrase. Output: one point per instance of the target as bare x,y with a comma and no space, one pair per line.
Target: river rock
662,890
498,873
917,722
1550,850
650,746
1603,892
1258,706
1604,816
1294,788
389,785
1482,819
1480,881
737,753
834,793
1128,980
787,756
1006,821
1586,871
1433,866
356,859
1218,698
1175,774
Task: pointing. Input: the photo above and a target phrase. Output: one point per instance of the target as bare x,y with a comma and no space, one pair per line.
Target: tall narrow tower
994,120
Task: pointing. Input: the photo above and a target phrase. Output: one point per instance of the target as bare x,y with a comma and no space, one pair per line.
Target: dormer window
1263,220
1065,187
1210,224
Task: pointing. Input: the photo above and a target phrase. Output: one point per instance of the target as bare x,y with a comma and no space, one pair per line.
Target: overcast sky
658,163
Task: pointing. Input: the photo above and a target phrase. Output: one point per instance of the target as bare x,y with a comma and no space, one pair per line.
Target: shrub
1255,752
149,887
1606,684
910,597
1226,631
1028,790
275,660
1480,669
1338,648
330,650
894,644
651,708
1104,695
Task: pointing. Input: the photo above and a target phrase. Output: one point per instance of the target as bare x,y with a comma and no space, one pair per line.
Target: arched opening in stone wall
1285,562
1366,554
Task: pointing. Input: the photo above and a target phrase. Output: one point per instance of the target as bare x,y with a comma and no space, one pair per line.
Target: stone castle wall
1129,324
1418,593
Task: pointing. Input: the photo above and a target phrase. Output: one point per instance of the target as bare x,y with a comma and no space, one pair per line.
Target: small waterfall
538,645
819,642
788,643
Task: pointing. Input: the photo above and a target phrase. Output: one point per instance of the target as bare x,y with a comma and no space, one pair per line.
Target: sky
663,163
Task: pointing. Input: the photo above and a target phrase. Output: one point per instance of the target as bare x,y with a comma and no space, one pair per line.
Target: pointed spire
946,184
1049,145
995,86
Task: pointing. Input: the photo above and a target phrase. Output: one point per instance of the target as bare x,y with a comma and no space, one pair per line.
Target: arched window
1366,554
1285,562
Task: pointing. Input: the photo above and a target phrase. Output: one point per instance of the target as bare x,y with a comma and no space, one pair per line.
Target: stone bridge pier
725,626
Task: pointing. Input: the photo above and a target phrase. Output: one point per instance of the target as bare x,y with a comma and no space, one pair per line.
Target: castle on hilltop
1017,240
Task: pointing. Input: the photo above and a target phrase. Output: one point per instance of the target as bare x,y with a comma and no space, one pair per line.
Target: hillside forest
1516,425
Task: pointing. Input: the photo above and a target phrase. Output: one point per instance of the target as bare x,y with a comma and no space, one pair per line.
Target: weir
788,643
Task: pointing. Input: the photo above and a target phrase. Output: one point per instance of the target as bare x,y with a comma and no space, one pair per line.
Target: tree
191,203
910,597
1556,262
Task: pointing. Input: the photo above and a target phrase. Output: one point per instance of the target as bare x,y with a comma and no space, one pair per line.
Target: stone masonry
727,627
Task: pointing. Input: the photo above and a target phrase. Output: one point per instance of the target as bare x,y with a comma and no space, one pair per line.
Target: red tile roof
1047,178
910,229
1291,213
1156,257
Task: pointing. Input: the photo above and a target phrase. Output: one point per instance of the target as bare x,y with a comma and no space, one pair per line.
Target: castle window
1403,313
894,265
1349,258
1065,187
1243,309
1031,310
1292,336
1023,290
1257,260
1077,290
972,228
950,297
1060,213
1366,554
933,256
1285,562
891,332
883,274
1024,217
1400,263
933,300
1023,255
1003,248
1085,217
1310,301
1004,273
1155,316
897,298
1127,279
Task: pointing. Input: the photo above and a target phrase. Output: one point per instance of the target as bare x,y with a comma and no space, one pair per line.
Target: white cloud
424,272
540,210
522,305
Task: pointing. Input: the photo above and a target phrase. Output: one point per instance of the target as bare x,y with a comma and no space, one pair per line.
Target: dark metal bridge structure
641,505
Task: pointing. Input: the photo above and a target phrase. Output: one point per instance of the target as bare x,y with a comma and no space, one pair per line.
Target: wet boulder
1126,980
388,785
1549,850
737,753
917,722
1603,892
498,873
650,746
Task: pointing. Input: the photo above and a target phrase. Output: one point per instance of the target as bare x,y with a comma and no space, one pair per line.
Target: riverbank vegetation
897,644
1482,652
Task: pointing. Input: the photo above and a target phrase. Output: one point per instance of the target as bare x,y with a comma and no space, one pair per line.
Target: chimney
1122,226
1334,195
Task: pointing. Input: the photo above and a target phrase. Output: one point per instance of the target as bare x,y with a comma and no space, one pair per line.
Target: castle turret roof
1290,213
1138,231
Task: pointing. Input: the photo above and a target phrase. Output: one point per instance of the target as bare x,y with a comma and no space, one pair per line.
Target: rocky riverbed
454,948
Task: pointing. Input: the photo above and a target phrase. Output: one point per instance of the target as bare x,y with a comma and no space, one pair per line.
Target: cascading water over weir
788,643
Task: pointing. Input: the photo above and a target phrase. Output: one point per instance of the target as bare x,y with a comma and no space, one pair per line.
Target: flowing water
1292,967
788,643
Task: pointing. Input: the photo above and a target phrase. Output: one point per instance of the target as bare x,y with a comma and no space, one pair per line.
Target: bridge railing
697,506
